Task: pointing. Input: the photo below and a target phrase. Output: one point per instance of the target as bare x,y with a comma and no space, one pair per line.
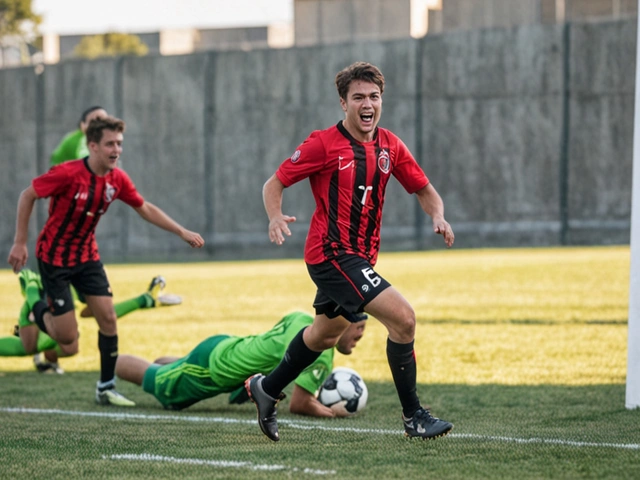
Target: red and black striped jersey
78,198
348,180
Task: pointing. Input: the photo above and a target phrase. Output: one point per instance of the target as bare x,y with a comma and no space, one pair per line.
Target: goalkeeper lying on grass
221,364
28,339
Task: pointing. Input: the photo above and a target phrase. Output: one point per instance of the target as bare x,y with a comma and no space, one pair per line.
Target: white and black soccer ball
344,384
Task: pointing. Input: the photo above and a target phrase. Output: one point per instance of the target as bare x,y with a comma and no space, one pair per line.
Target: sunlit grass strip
514,316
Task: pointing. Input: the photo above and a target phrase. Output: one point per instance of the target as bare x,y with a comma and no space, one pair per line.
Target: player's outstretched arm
159,218
19,253
278,222
305,403
432,204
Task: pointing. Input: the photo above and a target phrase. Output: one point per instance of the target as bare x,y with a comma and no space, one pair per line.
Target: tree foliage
110,45
17,18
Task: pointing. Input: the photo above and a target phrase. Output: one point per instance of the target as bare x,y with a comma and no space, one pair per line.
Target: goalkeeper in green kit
74,144
27,339
221,364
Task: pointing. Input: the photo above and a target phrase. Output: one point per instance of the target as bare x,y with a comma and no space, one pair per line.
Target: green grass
524,350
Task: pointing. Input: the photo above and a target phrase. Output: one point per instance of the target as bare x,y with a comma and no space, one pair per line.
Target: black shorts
87,278
345,286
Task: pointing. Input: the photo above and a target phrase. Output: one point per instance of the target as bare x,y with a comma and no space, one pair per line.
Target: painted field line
147,457
311,425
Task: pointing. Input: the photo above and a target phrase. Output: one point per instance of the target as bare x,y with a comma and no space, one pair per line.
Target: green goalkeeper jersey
72,147
237,358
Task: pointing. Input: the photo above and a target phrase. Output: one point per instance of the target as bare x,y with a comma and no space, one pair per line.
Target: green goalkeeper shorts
45,342
186,381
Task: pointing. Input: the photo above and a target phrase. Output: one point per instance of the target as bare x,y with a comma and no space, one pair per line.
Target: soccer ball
344,384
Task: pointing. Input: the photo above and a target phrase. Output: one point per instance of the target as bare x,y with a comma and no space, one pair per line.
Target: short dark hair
98,125
87,112
358,71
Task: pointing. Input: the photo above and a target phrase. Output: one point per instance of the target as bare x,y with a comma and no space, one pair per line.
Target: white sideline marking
310,425
147,457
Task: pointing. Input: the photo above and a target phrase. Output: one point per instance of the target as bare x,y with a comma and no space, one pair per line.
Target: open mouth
366,117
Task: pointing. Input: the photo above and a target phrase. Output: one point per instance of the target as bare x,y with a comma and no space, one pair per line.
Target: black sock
297,357
402,361
108,347
39,309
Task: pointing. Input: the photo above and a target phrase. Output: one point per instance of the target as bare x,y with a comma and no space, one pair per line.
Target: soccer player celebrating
80,193
348,166
73,147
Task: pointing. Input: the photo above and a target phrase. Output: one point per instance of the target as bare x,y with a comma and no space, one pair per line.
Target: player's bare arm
432,204
19,252
305,403
159,218
278,222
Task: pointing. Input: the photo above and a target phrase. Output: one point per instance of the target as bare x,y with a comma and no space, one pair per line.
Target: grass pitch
523,350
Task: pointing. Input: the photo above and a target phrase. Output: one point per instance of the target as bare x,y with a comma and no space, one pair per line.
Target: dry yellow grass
512,316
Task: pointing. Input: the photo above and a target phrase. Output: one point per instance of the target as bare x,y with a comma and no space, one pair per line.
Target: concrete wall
526,132
492,113
601,109
18,145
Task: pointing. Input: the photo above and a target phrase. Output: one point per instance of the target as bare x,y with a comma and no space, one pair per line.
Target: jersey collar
344,132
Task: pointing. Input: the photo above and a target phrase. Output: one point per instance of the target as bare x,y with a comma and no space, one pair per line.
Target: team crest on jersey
109,192
296,156
384,162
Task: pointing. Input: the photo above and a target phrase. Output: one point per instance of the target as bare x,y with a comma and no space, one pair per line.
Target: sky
68,17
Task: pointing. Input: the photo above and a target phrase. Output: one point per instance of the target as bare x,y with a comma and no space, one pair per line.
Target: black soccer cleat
46,366
265,404
424,425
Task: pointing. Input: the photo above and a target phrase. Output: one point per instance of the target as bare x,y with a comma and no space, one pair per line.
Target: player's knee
67,339
70,350
405,326
108,324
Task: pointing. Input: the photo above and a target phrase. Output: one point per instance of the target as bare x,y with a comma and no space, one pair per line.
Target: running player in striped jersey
80,192
348,167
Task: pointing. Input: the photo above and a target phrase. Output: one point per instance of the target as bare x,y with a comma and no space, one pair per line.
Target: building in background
183,41
472,14
14,51
324,22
